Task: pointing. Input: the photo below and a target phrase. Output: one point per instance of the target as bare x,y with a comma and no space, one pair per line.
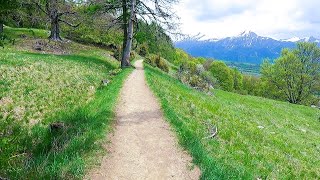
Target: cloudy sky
273,18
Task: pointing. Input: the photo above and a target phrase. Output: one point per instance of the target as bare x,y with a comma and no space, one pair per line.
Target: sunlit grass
35,86
257,137
17,33
37,90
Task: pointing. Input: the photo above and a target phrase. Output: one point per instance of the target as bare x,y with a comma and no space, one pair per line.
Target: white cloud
274,18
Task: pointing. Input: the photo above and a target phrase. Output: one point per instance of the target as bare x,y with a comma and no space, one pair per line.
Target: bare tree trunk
124,24
1,27
55,29
125,62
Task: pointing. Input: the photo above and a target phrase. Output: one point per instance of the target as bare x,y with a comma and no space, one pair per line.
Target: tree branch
69,24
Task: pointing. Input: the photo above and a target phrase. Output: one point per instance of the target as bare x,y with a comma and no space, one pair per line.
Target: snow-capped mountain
305,39
246,47
293,39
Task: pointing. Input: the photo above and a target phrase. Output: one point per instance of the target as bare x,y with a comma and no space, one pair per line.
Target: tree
125,61
251,85
296,72
55,11
155,39
147,10
223,74
237,79
5,7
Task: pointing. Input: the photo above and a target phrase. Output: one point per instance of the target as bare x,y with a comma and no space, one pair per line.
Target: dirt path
143,146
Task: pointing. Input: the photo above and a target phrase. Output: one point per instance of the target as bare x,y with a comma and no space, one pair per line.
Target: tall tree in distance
56,10
128,11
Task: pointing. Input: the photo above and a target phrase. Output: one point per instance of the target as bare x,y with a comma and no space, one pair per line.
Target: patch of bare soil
45,46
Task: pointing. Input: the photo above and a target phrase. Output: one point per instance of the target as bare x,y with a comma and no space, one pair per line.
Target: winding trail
143,146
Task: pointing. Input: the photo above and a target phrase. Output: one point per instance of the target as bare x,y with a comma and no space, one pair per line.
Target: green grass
257,137
33,86
18,33
37,90
65,153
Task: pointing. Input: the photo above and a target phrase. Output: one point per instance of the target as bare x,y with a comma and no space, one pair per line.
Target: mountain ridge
247,47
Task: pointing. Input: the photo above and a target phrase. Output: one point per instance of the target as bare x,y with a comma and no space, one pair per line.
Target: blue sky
279,19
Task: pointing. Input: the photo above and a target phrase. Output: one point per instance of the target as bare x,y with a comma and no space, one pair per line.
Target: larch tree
128,11
56,10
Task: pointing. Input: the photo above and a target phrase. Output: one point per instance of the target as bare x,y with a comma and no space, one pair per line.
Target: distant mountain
247,47
306,39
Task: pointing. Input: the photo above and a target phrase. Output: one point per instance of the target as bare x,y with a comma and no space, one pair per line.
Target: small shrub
200,69
207,77
194,75
143,49
150,59
117,54
132,55
224,75
157,61
163,65
5,39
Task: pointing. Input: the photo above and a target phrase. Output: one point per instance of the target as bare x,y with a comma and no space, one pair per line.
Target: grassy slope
38,89
258,138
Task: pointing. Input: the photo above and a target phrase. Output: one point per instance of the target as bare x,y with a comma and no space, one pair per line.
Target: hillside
54,111
257,138
247,47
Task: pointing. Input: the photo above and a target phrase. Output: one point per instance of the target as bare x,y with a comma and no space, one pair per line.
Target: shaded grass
258,138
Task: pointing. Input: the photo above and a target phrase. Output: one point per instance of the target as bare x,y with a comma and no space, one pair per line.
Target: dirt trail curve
143,146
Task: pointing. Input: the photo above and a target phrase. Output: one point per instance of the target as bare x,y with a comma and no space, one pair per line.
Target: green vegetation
223,74
152,38
257,137
245,68
294,77
295,73
54,111
157,61
20,33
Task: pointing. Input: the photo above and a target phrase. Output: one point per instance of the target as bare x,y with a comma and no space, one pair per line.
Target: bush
117,54
157,61
132,55
163,65
224,75
5,39
194,75
150,59
237,80
143,50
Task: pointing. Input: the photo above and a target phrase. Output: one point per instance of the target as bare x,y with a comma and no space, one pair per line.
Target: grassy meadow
257,138
39,89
